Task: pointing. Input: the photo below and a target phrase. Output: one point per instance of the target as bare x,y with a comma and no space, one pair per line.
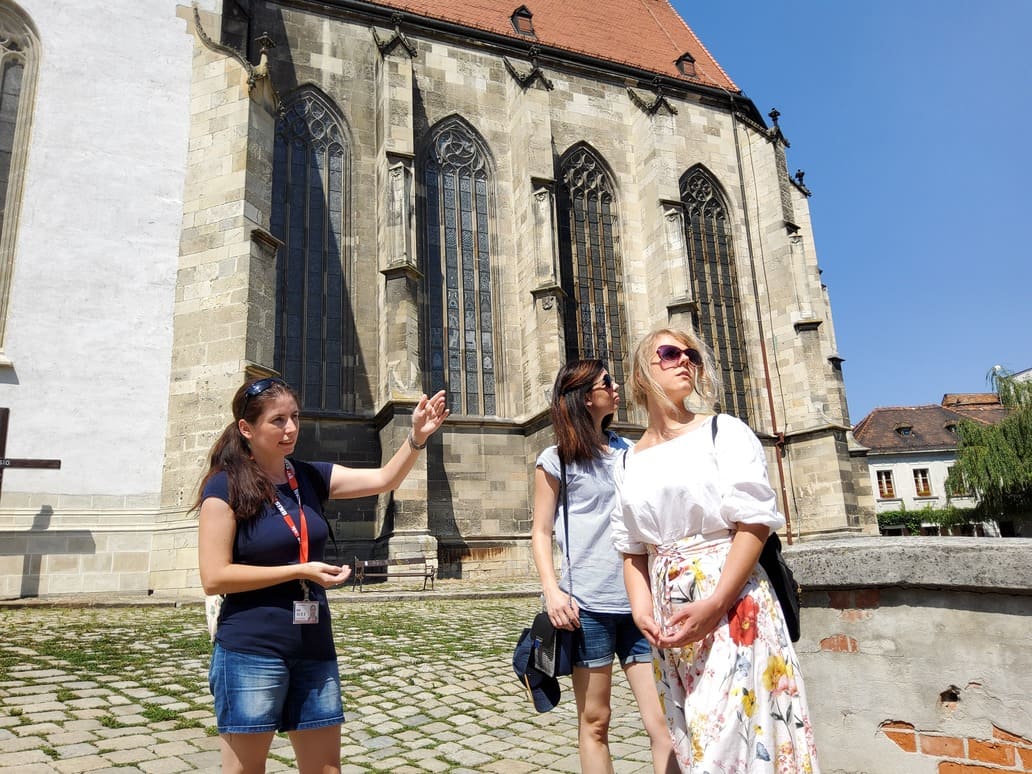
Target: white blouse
681,489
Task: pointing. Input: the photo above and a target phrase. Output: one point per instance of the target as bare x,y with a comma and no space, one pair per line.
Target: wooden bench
420,567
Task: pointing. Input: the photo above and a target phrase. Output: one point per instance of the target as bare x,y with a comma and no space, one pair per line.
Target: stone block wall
915,653
64,558
225,287
474,494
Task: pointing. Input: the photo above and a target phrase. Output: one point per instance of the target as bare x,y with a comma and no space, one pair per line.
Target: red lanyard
302,536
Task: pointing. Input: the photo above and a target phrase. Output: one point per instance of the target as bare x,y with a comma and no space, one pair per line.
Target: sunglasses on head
668,353
257,389
607,384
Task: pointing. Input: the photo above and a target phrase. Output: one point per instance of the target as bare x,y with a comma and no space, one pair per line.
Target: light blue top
597,568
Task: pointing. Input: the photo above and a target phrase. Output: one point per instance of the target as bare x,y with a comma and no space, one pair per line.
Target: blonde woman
694,510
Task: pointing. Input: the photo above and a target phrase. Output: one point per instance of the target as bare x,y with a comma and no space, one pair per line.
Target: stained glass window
590,261
456,181
315,344
715,285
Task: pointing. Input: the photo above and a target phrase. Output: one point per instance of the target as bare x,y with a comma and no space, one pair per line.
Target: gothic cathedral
376,200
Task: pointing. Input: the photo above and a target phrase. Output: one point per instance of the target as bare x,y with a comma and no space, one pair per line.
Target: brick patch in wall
952,767
901,733
942,746
840,643
1004,752
991,752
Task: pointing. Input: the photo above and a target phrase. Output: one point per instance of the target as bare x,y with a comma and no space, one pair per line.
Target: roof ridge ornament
798,181
397,39
651,108
774,134
525,79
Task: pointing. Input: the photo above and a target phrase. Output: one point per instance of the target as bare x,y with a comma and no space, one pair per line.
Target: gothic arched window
19,62
711,259
315,344
458,208
589,238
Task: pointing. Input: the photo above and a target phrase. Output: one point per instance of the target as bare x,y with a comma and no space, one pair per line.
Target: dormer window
686,64
904,430
951,428
523,21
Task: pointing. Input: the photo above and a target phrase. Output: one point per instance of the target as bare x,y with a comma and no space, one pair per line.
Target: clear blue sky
912,120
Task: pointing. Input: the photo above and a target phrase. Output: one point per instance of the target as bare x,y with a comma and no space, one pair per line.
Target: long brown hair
575,432
249,487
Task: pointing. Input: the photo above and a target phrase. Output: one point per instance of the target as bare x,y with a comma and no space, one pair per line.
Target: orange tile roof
645,34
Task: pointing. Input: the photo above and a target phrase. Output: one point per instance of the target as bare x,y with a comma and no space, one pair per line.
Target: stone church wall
207,285
472,498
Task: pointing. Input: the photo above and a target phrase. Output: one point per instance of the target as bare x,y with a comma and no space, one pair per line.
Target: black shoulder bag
782,581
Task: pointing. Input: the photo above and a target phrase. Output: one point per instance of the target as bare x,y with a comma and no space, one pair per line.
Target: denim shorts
255,694
604,634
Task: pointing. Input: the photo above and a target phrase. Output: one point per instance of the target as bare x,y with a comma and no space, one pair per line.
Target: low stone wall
917,653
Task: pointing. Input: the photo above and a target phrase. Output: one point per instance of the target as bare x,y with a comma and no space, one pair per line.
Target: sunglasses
257,389
668,353
607,383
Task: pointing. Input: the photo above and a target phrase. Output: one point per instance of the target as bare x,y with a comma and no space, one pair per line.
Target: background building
377,200
911,450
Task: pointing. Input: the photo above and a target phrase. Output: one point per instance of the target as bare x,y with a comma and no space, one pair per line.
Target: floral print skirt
734,701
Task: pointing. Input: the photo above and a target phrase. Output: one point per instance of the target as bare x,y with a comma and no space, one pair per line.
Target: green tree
996,460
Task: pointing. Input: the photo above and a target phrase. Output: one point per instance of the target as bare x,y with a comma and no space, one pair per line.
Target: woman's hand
690,623
326,575
428,416
647,626
562,609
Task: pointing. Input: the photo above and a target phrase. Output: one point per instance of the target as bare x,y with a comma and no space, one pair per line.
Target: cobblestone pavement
427,681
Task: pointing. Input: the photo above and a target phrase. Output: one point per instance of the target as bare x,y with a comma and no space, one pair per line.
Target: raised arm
427,418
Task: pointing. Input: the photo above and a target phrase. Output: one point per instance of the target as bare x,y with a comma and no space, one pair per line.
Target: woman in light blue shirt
590,597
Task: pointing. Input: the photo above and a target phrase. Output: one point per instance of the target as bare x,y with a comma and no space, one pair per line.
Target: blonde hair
707,386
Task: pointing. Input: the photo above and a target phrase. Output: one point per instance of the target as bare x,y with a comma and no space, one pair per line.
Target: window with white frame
922,483
886,489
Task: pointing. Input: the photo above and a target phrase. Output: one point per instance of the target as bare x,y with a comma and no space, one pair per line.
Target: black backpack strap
566,521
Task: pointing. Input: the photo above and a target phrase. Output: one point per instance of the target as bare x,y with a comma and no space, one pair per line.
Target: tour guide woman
274,665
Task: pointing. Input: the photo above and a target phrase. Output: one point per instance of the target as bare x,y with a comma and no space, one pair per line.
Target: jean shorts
255,694
604,634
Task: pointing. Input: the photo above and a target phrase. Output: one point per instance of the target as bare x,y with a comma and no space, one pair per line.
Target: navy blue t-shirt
262,621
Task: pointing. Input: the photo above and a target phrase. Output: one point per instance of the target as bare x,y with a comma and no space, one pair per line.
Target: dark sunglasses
668,353
607,383
257,389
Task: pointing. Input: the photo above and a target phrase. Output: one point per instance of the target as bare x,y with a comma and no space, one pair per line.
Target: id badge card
306,612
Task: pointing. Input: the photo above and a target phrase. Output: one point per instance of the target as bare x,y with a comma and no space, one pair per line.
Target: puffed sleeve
746,494
621,521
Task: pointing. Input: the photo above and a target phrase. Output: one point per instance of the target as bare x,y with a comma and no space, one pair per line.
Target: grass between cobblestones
427,684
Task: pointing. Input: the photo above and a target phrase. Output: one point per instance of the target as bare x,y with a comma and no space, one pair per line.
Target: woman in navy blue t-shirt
261,542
